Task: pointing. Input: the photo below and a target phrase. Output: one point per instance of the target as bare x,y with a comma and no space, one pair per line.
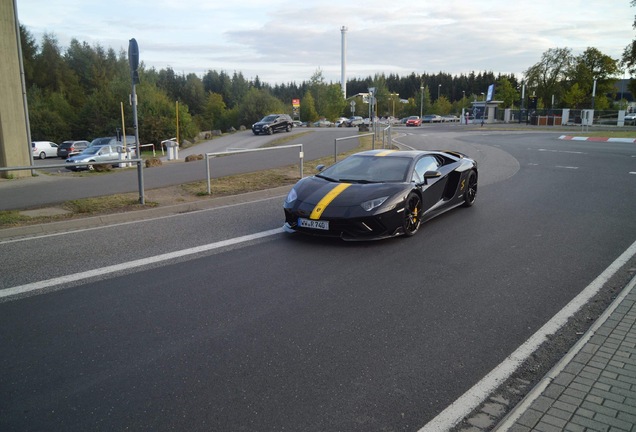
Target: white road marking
560,151
567,167
470,400
36,286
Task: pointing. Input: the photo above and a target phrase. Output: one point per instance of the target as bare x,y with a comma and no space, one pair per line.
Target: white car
43,149
630,116
342,121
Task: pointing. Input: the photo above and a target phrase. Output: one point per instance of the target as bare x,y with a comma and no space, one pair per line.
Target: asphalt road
237,331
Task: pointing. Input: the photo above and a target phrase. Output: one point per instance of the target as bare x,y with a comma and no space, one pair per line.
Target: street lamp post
421,100
439,86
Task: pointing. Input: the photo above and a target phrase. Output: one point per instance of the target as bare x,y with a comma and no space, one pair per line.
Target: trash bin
173,150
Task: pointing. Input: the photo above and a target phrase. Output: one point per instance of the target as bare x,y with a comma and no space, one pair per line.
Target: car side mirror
432,174
320,167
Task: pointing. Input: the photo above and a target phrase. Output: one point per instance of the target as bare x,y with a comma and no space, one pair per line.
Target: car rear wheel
412,214
471,192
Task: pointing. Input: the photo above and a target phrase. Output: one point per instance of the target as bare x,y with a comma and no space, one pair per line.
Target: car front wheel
471,192
412,214
42,155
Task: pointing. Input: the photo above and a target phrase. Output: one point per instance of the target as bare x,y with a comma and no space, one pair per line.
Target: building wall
14,142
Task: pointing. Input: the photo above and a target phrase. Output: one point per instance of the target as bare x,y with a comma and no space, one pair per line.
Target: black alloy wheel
412,214
471,192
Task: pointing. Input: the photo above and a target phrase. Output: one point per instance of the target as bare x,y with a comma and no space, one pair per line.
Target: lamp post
421,100
439,86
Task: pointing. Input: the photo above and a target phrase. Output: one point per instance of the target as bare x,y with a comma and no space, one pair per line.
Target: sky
283,41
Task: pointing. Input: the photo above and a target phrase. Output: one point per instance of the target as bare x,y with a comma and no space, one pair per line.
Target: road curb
597,139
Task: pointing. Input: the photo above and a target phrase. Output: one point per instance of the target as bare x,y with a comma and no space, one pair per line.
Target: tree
29,52
546,76
256,104
506,92
335,102
213,112
307,108
629,54
591,66
574,97
442,106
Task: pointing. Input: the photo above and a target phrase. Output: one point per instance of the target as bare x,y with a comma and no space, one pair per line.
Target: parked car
67,148
342,121
431,118
630,118
113,141
273,123
94,155
355,121
450,118
323,123
414,121
43,149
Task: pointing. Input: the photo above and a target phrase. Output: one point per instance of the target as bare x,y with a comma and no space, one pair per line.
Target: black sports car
380,193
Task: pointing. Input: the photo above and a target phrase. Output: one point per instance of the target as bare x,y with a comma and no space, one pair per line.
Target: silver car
94,155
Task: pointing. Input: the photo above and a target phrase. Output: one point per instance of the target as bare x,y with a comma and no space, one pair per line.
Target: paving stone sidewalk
594,387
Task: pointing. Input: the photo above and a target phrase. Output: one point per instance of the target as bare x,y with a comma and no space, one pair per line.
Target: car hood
263,123
80,157
311,190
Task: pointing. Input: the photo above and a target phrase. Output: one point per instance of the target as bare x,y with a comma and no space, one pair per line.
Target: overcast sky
284,41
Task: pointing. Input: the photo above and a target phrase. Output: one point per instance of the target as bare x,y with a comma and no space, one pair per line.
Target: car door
50,149
104,154
432,187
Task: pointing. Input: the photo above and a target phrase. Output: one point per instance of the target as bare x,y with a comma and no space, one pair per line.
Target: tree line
81,91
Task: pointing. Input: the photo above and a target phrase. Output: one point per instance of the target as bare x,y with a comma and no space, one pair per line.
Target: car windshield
91,150
100,141
368,169
269,118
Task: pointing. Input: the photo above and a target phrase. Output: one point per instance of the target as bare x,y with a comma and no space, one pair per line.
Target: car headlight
374,203
291,196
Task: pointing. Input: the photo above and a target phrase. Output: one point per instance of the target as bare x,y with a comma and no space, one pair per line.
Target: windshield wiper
326,178
361,181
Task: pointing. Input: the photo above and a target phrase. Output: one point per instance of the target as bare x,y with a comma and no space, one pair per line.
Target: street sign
133,60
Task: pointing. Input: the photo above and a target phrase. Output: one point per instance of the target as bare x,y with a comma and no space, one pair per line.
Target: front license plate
313,224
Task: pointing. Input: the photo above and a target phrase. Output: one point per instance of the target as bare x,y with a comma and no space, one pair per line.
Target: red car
414,121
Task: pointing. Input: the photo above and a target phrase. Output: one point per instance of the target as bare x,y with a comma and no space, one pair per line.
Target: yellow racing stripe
326,200
384,153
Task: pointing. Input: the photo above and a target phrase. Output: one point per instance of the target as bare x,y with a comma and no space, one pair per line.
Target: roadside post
133,61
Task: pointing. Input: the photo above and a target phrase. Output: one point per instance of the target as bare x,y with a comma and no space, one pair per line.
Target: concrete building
15,149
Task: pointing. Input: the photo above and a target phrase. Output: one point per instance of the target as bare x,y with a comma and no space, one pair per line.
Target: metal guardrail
225,153
64,165
154,152
335,143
